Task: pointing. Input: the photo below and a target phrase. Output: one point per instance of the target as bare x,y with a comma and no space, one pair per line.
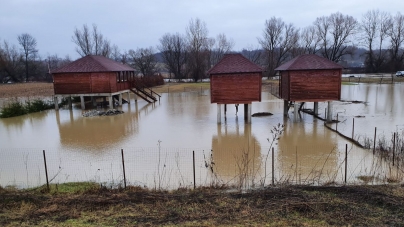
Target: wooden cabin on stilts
235,80
309,78
93,77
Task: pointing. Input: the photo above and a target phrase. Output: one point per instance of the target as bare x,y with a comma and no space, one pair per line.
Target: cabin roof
308,62
234,63
93,63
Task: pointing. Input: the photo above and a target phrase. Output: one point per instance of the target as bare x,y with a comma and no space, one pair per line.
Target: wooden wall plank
236,88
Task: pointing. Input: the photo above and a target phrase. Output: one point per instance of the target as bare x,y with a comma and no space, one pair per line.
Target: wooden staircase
143,92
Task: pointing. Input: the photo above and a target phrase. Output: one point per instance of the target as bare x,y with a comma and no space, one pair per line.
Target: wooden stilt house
96,76
310,78
235,80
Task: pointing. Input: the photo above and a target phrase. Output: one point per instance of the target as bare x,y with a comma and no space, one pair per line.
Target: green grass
69,188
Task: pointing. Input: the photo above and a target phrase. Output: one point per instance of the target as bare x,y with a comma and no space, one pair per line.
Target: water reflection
95,134
235,152
307,150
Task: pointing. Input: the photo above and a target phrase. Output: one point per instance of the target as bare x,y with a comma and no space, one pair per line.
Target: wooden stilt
219,113
83,106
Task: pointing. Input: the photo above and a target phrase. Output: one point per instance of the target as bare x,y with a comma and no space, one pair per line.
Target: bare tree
309,40
115,53
279,39
28,44
144,61
173,49
254,54
335,33
10,67
396,35
222,45
198,46
91,43
374,28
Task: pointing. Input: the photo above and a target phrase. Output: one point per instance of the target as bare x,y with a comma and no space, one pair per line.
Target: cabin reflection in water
236,153
307,153
99,132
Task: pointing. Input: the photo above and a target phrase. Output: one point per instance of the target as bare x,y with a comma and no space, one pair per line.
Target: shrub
13,109
16,108
37,105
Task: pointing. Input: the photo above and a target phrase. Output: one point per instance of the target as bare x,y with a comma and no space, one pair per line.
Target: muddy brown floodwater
158,141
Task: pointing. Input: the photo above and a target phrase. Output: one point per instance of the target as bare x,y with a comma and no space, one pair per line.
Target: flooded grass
277,206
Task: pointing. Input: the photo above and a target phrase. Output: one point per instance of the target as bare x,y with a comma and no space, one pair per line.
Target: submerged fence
172,168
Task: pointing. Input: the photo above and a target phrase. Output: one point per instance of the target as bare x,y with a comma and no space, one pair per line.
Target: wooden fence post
46,170
353,127
273,168
374,142
346,161
193,160
394,146
336,127
123,167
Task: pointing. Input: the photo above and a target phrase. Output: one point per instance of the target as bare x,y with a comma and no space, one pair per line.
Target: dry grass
281,206
26,90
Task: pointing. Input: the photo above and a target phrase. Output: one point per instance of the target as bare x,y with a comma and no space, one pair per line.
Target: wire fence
172,168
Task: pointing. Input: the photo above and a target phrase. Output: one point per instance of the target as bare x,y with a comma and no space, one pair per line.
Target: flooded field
158,141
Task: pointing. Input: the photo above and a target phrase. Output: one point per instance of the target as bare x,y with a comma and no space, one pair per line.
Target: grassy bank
86,204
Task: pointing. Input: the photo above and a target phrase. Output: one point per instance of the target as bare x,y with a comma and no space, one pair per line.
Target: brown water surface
158,140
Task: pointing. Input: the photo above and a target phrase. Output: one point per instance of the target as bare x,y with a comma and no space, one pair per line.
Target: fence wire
172,168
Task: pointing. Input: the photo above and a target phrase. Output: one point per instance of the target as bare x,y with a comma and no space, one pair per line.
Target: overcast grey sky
133,23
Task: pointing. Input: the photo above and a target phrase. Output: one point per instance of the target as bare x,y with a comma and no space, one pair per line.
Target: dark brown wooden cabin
235,80
310,78
92,74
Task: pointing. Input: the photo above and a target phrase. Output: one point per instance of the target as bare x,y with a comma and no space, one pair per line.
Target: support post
285,107
120,99
329,112
295,111
245,112
56,101
315,109
69,102
46,170
219,113
225,109
83,105
249,113
111,104
128,97
123,168
93,100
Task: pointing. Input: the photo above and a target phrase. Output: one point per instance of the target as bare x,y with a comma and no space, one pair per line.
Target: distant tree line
24,64
378,38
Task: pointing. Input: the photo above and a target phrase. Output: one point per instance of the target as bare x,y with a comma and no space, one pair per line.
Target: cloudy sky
133,23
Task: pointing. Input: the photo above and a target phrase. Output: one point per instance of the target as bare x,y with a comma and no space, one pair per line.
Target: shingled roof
93,63
308,62
234,63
